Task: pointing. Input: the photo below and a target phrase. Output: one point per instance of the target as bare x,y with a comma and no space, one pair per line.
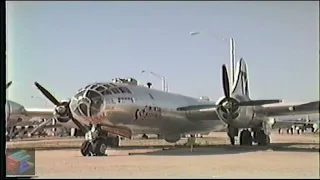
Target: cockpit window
106,92
106,86
79,94
92,94
94,86
125,90
115,90
100,88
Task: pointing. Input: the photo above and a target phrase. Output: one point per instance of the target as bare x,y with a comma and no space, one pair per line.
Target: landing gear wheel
114,141
144,136
86,148
246,138
160,136
263,139
99,147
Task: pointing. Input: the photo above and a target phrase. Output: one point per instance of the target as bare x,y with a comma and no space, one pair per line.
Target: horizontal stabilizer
196,107
259,102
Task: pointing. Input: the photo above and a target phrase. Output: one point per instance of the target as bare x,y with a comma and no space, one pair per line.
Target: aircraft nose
87,103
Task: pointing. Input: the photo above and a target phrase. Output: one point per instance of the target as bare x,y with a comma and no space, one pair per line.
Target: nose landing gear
96,143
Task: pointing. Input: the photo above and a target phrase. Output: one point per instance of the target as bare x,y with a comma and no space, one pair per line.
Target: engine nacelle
172,138
62,112
242,118
63,119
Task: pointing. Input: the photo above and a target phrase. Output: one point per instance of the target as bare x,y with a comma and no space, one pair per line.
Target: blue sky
66,45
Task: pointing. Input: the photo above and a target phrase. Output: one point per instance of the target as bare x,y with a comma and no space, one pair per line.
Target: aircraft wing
206,111
44,113
284,110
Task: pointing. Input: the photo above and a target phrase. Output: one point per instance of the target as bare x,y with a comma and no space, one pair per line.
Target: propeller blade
8,84
47,94
225,82
259,102
80,126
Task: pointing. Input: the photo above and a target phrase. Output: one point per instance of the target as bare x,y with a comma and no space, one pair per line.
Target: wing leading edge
284,110
44,113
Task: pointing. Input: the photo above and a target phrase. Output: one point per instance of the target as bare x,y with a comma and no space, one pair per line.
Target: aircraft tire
263,139
245,138
144,136
86,148
113,141
99,147
160,136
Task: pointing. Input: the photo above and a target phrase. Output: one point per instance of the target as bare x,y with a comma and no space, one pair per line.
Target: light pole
163,78
232,54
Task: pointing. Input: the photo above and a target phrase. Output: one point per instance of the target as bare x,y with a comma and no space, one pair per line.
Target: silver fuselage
122,112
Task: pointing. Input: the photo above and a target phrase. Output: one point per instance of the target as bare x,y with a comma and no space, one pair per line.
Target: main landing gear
97,141
247,138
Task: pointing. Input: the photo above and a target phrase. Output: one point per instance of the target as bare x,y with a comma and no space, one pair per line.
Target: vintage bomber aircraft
16,113
114,107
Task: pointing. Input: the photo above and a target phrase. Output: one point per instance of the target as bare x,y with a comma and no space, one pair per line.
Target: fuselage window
125,99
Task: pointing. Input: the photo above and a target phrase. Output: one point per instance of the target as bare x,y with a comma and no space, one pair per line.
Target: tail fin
241,85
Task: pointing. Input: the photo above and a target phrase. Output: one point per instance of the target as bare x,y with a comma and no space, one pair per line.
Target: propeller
66,109
8,84
225,82
228,104
47,94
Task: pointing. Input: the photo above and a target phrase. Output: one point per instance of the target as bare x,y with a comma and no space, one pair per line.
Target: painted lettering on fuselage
147,112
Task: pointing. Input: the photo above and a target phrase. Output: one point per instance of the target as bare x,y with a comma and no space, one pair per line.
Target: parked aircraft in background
299,125
118,107
16,113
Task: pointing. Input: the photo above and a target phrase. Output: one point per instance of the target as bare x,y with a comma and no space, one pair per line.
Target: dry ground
292,156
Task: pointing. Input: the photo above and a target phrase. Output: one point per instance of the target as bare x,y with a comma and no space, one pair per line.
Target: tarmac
290,156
